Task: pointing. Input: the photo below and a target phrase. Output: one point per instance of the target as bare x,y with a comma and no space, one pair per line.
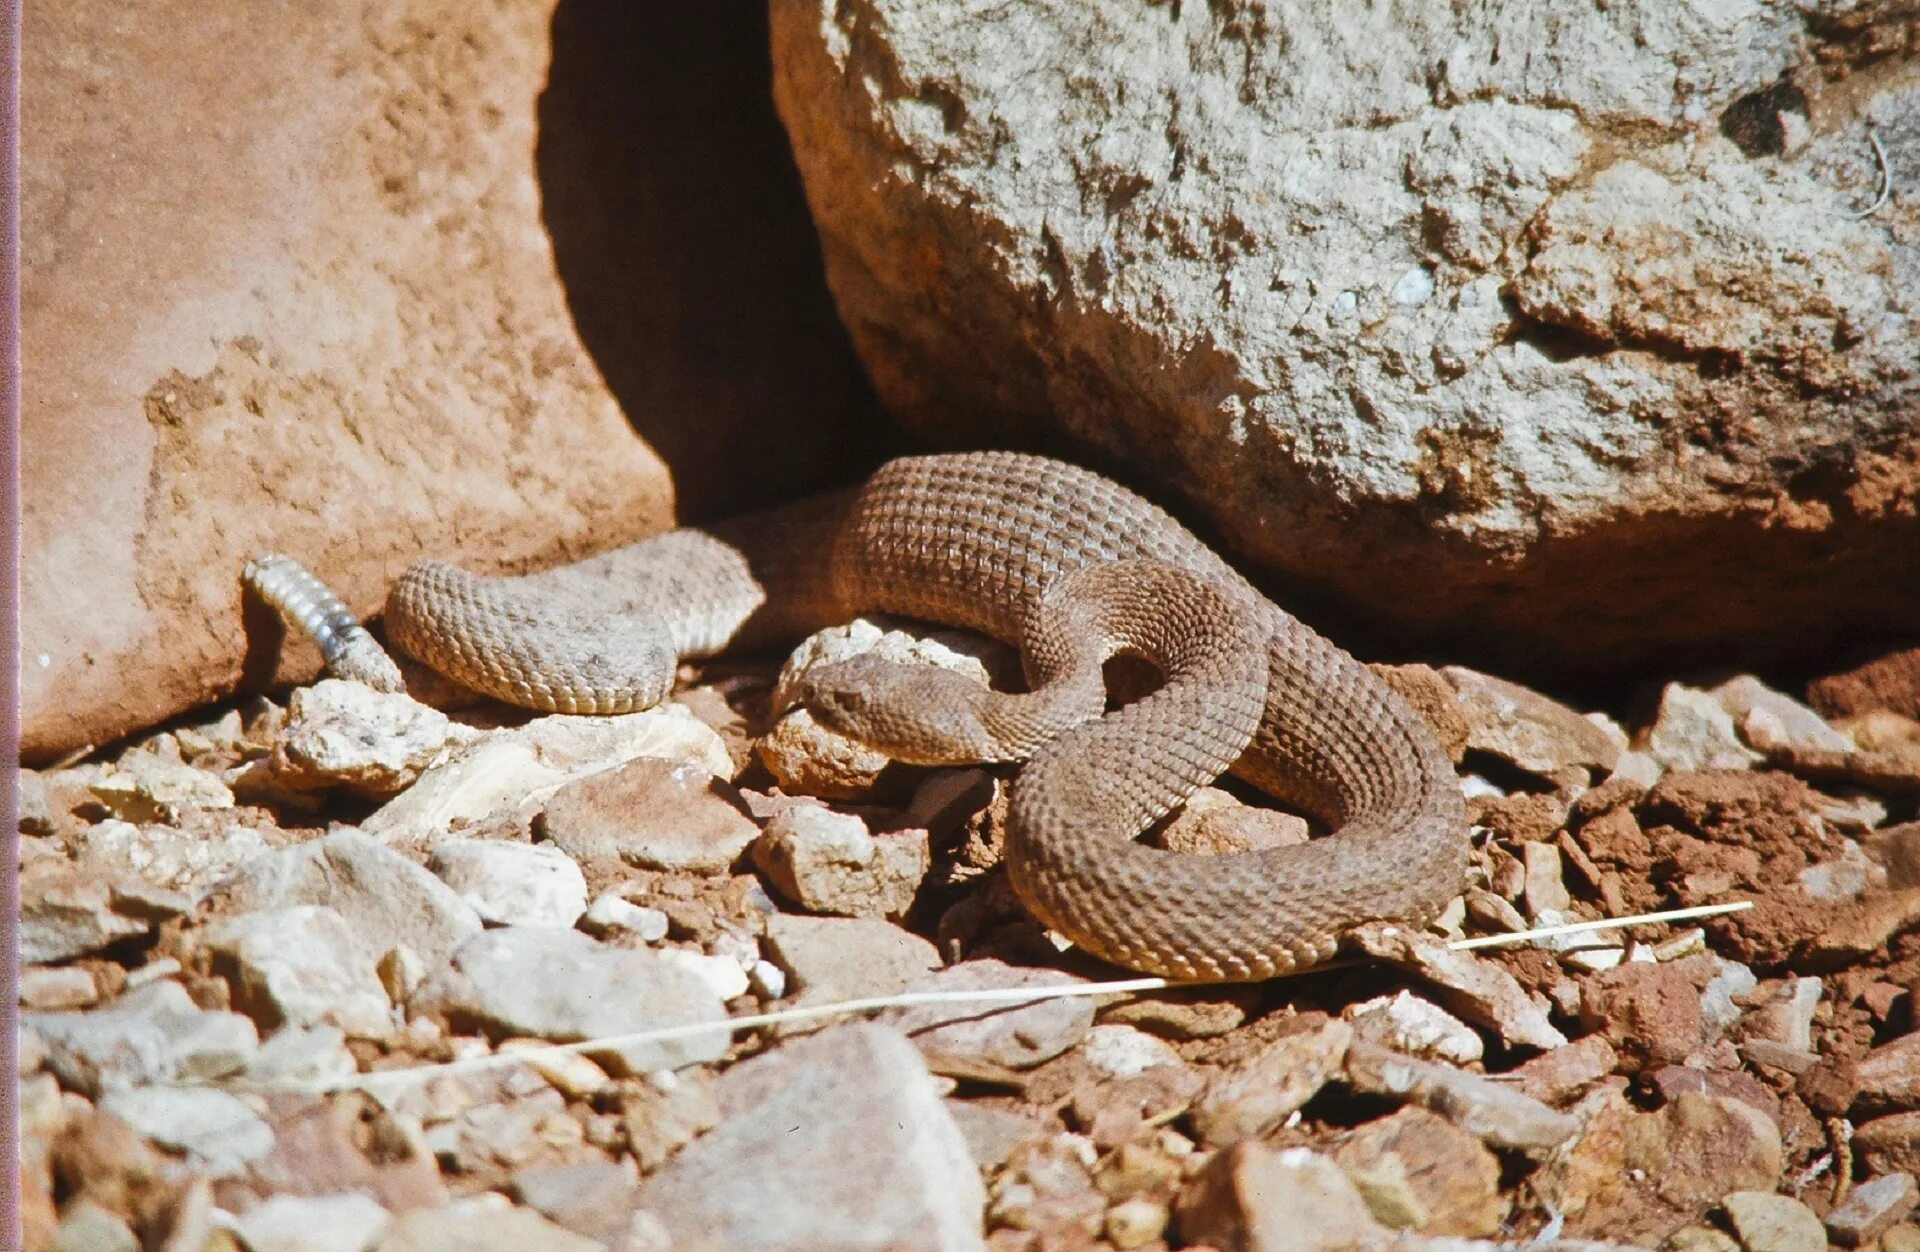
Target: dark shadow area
689,259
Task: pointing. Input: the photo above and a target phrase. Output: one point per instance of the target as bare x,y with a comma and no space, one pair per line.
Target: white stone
1120,1051
217,1131
348,1222
1407,1023
302,966
512,884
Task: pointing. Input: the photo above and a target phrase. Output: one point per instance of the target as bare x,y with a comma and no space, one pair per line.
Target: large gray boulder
1549,325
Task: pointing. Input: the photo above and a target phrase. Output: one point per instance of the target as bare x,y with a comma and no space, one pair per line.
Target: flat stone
1526,729
512,884
1765,1222
1403,1022
594,1198
294,1054
511,774
504,982
52,988
1870,1208
835,1140
217,1131
156,1034
149,787
1546,889
1256,1096
845,958
1558,1076
993,1133
348,1222
1014,1036
67,913
189,861
1476,990
828,863
653,813
386,899
1497,1114
301,966
1770,720
1418,1171
1255,1199
483,1224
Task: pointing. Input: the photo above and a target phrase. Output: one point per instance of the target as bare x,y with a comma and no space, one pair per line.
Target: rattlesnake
1015,546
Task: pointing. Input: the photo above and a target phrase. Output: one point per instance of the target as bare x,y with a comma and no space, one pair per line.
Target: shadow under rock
689,259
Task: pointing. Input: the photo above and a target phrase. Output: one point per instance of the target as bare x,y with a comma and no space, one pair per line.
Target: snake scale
1074,568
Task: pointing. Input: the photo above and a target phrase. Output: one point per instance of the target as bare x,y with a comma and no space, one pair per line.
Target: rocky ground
222,919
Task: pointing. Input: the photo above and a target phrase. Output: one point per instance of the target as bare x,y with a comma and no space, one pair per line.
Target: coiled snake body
1022,548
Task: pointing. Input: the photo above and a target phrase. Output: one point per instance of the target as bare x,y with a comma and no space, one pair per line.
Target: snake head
919,714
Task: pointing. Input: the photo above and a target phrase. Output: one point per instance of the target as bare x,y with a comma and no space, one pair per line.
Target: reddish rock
1891,682
377,282
1650,1013
307,307
1889,1144
1420,1171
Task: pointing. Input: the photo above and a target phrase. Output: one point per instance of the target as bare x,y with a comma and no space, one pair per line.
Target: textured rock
837,1140
1418,1171
329,308
1403,1022
346,734
1258,1095
829,863
503,980
1373,292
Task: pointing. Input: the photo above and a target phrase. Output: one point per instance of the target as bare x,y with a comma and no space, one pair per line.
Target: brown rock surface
1891,682
1500,336
325,301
